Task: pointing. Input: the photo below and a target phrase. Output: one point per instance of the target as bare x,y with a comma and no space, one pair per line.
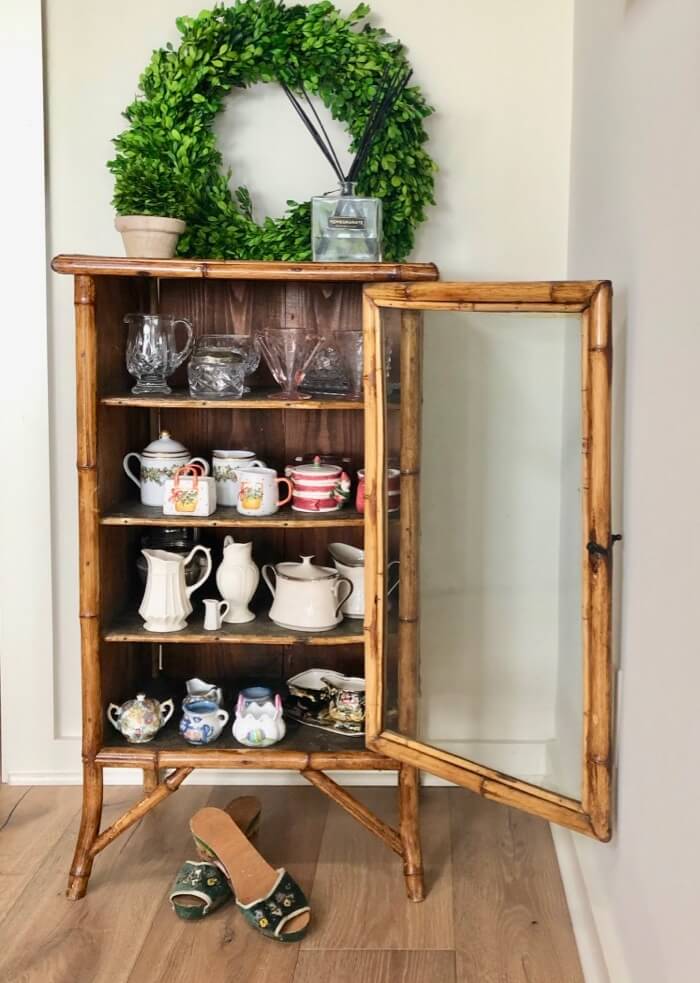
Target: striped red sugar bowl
318,487
393,481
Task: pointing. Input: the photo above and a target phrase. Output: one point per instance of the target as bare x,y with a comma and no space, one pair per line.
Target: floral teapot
140,720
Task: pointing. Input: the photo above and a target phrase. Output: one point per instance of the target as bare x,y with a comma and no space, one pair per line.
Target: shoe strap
284,901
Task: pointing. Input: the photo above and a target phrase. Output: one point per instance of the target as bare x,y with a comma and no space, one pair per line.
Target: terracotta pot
149,236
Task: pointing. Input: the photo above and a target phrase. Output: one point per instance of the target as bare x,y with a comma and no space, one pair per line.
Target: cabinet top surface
236,270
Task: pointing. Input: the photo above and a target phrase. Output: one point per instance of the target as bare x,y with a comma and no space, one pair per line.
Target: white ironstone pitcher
166,602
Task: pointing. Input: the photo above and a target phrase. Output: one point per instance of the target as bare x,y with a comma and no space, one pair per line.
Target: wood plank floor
495,911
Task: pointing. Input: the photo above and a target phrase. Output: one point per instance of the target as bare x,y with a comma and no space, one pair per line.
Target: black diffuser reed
388,91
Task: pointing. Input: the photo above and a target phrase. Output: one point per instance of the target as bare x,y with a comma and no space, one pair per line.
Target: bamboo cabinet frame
592,300
115,653
111,420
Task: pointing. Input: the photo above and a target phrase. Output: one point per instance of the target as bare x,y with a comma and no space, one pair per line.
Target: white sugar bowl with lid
158,462
306,597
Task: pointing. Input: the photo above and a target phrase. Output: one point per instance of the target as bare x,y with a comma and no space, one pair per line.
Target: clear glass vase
345,228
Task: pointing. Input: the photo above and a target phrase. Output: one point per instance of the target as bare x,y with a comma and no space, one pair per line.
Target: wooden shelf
257,400
237,270
227,517
302,747
299,737
262,631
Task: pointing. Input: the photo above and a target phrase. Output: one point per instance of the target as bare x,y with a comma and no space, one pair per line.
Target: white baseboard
215,776
202,776
582,917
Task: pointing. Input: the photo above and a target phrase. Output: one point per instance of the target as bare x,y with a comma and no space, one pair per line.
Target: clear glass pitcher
151,350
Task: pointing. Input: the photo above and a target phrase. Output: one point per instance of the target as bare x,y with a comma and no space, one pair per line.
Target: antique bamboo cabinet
489,665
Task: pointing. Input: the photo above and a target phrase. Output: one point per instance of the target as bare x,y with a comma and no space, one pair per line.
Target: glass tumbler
351,349
151,350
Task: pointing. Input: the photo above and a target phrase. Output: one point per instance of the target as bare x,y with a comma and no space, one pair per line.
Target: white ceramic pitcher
350,562
166,602
237,579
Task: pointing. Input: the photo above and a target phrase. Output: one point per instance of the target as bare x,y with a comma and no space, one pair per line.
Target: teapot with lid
158,462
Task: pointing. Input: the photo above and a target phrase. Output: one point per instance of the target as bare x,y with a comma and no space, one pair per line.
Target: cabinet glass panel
493,617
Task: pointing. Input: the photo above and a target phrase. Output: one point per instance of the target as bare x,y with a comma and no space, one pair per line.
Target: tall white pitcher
237,579
166,602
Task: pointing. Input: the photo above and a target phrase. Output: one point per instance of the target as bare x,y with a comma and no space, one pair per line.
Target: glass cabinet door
488,543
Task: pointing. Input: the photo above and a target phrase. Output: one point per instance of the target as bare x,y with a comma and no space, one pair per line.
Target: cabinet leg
151,779
89,828
410,833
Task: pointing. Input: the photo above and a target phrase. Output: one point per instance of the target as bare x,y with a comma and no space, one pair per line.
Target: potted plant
149,201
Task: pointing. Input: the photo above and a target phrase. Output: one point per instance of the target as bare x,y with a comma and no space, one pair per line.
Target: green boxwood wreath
167,162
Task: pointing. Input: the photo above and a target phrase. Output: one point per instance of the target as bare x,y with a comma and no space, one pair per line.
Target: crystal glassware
288,353
151,350
247,346
351,349
216,370
326,374
346,228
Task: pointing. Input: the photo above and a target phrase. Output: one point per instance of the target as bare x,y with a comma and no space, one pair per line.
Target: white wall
635,214
495,549
501,136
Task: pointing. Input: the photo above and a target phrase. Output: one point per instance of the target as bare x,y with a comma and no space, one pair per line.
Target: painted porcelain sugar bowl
140,720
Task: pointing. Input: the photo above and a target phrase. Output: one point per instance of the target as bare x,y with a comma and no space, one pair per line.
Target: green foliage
167,162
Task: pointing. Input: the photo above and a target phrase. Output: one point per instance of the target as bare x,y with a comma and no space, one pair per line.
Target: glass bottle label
347,222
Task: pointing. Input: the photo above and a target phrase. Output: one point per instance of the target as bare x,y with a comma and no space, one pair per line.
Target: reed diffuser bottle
346,228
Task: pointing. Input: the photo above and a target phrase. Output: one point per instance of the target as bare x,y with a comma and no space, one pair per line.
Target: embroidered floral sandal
271,900
200,887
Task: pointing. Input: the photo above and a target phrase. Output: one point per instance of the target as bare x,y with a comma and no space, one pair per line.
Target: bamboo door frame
593,301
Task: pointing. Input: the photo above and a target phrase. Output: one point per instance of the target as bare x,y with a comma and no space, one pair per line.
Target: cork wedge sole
269,899
198,889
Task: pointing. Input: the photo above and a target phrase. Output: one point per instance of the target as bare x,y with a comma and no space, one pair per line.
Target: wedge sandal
200,887
270,900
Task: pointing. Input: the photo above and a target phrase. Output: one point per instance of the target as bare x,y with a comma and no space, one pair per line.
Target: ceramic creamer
202,720
203,690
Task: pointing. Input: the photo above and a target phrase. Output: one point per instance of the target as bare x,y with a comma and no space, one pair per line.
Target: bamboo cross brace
356,809
165,788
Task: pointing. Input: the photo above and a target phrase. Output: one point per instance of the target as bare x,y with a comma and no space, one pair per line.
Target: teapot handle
130,473
111,710
340,582
207,553
222,715
165,715
266,578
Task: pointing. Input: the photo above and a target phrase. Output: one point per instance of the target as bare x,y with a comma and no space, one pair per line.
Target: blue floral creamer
202,721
